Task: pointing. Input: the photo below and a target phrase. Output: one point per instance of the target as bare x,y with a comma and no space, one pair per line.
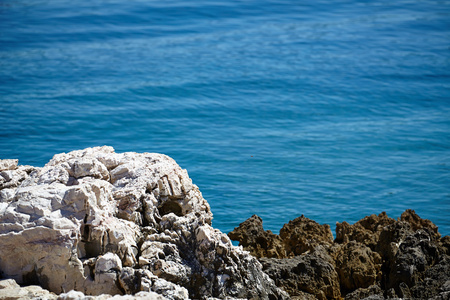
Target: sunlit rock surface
97,222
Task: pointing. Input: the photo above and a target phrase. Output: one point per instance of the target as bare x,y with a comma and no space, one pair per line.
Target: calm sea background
331,109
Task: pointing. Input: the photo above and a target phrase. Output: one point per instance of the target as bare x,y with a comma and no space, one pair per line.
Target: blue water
331,109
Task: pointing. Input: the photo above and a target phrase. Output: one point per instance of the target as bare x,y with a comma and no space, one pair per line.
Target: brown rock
366,231
417,222
302,234
374,258
358,266
391,237
259,243
296,237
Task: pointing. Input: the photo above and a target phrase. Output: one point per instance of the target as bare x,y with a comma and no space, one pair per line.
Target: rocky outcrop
95,224
99,222
376,258
296,237
366,231
255,239
302,234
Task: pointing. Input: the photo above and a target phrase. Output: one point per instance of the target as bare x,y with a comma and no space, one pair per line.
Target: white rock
71,295
10,290
88,167
7,195
8,164
99,222
108,262
11,178
8,284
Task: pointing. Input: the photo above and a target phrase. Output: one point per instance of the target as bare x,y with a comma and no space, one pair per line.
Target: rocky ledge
95,224
376,258
99,223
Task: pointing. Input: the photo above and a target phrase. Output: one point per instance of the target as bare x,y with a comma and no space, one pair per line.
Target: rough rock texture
366,231
296,237
100,222
416,222
255,239
312,273
302,234
372,292
376,258
9,290
358,266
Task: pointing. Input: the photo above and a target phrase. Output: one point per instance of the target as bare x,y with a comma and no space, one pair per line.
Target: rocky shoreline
95,224
376,258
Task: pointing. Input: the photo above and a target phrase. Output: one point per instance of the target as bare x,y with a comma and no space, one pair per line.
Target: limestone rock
10,290
8,164
75,295
11,175
99,222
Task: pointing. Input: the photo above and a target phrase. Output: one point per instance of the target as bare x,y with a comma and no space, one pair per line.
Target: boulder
8,164
11,175
99,222
10,290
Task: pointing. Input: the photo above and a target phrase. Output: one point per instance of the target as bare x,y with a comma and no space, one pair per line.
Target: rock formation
376,258
260,243
296,237
94,222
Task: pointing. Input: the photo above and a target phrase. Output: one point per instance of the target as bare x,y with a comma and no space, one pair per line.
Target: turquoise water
335,110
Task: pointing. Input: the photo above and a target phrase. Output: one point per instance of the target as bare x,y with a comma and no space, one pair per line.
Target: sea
334,110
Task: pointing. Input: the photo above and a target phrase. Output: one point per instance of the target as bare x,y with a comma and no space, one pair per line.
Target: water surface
335,110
